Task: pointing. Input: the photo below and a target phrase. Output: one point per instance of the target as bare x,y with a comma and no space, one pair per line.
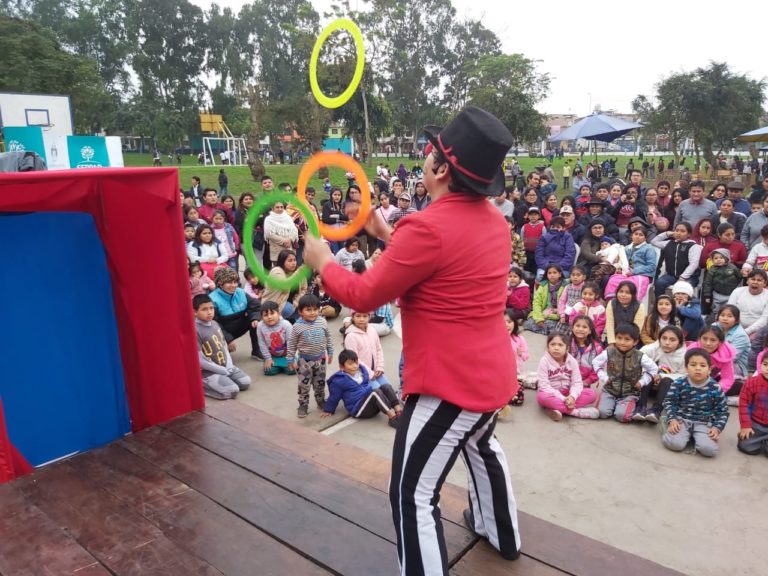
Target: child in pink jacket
364,341
560,387
590,306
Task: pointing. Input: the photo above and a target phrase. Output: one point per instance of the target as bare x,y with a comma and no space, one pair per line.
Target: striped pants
431,435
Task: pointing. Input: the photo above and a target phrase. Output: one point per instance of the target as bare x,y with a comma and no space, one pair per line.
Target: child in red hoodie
518,294
753,413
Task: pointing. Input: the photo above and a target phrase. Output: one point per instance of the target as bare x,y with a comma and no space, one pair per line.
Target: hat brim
495,188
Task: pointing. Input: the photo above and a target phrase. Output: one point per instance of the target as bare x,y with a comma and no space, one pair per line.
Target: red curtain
12,464
138,215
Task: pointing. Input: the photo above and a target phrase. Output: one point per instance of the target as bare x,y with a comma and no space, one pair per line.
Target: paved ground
613,482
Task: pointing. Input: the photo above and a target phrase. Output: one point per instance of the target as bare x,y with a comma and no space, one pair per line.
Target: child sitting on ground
329,308
560,387
696,407
585,347
571,296
589,305
544,318
722,358
310,341
520,348
351,384
362,339
518,294
199,282
753,412
274,332
719,281
221,378
668,352
252,287
623,370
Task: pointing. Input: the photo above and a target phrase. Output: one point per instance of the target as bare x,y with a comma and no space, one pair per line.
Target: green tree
509,86
720,105
35,61
669,115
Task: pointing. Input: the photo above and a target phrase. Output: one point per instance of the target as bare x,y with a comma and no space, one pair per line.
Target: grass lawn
240,179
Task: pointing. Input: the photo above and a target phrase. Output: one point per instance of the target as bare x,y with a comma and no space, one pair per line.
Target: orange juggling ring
348,163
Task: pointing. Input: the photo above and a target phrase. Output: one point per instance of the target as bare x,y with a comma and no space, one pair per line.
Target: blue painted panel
61,375
334,144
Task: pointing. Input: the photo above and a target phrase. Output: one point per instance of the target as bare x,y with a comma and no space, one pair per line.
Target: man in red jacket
448,265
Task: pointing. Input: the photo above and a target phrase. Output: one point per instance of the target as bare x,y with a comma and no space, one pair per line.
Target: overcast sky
603,53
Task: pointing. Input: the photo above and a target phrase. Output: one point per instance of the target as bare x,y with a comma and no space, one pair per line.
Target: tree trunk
753,151
253,138
367,125
709,156
675,150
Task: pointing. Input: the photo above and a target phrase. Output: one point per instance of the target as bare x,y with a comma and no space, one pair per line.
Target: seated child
351,384
728,319
753,412
585,347
544,317
719,281
199,282
329,308
687,310
560,387
696,407
518,294
668,352
571,296
589,305
520,348
722,357
274,331
623,370
362,339
612,253
252,286
221,378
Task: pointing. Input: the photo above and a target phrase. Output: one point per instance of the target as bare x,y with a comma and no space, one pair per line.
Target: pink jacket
201,285
722,364
560,380
520,346
519,297
595,312
367,346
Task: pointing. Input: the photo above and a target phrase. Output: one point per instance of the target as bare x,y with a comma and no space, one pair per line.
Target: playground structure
225,147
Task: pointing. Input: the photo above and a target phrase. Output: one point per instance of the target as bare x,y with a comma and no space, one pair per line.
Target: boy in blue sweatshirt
695,407
351,384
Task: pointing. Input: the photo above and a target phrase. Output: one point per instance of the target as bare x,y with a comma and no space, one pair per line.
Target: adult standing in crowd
696,207
451,406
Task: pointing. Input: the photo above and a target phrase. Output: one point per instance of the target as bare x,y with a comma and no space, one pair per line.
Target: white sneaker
732,400
590,412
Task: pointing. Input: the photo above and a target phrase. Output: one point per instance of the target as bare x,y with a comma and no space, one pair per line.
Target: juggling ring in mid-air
347,162
357,36
304,272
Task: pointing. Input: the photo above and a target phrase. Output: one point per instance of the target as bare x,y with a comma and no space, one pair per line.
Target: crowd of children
678,362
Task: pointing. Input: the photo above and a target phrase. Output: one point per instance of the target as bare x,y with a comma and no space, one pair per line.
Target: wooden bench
239,492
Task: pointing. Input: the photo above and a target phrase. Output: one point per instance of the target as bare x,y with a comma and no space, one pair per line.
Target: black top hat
474,143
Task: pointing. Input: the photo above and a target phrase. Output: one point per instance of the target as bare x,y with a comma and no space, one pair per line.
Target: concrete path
612,482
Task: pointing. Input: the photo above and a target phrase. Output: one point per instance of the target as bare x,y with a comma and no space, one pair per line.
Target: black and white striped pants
431,435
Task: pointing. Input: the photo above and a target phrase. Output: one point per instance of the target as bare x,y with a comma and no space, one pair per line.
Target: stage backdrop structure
98,336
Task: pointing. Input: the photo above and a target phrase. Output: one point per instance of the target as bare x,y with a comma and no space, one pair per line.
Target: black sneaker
394,422
302,411
320,404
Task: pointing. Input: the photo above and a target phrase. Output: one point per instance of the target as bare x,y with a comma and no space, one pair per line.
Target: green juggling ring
304,272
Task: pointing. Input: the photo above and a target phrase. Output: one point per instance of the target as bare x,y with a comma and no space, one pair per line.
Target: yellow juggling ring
341,99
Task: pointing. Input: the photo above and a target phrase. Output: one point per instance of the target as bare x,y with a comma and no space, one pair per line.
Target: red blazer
448,265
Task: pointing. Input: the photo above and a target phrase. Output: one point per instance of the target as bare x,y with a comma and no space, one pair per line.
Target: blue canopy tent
596,127
759,135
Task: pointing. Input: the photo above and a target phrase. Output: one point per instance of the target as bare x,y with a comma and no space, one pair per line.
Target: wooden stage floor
236,491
